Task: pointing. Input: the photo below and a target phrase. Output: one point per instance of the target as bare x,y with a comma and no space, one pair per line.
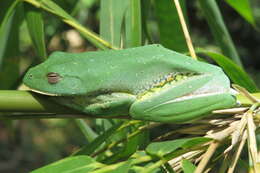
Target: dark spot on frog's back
53,77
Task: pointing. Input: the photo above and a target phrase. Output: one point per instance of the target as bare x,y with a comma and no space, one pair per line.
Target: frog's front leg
104,105
179,102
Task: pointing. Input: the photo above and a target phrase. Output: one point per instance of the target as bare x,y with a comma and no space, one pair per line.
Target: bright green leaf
187,166
160,149
243,8
121,168
76,164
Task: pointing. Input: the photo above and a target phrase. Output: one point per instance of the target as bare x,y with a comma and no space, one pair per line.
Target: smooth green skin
110,83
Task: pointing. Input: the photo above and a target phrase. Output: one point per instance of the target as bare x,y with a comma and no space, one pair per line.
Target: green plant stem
21,101
31,104
24,104
89,134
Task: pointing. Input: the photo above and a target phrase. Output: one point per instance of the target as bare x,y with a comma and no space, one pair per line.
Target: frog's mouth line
42,92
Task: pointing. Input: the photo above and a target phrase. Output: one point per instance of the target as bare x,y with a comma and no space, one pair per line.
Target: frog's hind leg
178,102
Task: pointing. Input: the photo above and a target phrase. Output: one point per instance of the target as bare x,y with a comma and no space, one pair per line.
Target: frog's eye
53,78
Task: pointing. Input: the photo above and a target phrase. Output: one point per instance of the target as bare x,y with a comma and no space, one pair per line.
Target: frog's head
51,78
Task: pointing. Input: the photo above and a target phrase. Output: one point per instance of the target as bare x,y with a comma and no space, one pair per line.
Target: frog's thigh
111,104
187,110
147,102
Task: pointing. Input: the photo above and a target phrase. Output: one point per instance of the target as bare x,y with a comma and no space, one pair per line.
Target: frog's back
130,70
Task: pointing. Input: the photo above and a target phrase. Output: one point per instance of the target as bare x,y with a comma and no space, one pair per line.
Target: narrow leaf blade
6,24
160,149
91,147
53,8
112,13
234,72
218,29
76,164
9,46
187,166
133,24
36,29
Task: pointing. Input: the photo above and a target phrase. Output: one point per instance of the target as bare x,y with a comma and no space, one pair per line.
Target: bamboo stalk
185,30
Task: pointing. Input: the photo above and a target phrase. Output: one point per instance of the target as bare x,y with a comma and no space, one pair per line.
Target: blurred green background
30,144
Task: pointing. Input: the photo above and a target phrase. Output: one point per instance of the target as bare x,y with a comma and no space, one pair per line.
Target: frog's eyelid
53,77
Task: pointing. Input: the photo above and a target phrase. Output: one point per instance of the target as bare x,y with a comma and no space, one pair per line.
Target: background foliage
30,30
